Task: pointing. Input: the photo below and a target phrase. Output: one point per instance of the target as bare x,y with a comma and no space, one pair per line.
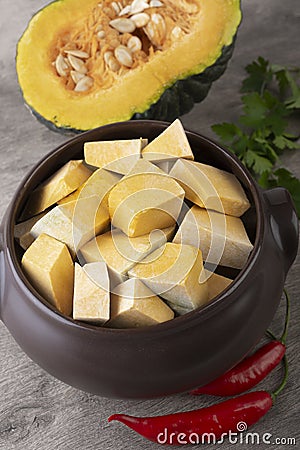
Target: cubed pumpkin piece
143,202
22,231
118,156
99,184
74,223
216,284
134,305
211,188
91,300
49,267
121,253
173,272
66,180
222,239
171,144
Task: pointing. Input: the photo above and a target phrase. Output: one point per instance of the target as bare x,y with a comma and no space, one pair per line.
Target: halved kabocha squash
85,64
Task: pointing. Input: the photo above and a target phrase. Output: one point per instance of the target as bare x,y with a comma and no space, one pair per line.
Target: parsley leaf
259,74
271,95
255,109
259,164
282,142
227,131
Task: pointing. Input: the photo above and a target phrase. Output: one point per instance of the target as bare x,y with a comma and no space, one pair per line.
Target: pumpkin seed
76,76
77,64
157,18
116,7
113,64
124,11
149,30
156,30
61,66
78,53
101,34
123,56
155,4
134,44
84,84
140,19
138,6
67,62
177,32
107,55
123,25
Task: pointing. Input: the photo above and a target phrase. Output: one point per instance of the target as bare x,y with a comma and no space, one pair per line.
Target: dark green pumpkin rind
180,98
176,101
51,125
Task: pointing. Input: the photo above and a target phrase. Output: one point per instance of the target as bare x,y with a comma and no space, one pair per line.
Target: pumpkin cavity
118,37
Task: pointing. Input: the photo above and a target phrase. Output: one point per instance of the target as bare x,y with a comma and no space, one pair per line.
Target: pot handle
283,223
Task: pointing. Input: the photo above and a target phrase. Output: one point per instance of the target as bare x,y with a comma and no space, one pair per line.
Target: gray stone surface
38,412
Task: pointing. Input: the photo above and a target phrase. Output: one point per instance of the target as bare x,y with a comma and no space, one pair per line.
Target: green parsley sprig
270,96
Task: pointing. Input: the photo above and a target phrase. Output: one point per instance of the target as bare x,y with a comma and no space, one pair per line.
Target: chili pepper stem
284,381
287,317
283,341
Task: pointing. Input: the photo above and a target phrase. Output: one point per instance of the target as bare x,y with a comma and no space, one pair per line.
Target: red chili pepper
199,425
205,424
249,372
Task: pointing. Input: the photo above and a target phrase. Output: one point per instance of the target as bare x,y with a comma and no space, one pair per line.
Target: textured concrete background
38,412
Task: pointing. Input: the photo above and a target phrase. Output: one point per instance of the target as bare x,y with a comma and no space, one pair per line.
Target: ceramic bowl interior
205,151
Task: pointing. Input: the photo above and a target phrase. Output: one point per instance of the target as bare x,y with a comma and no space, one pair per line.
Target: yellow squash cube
211,188
91,300
121,253
134,305
174,273
66,180
74,223
169,145
49,267
143,202
222,239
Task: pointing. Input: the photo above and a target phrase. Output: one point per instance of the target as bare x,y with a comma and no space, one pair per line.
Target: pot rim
180,322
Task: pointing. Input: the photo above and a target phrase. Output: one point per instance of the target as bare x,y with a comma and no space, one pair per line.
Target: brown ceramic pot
174,356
